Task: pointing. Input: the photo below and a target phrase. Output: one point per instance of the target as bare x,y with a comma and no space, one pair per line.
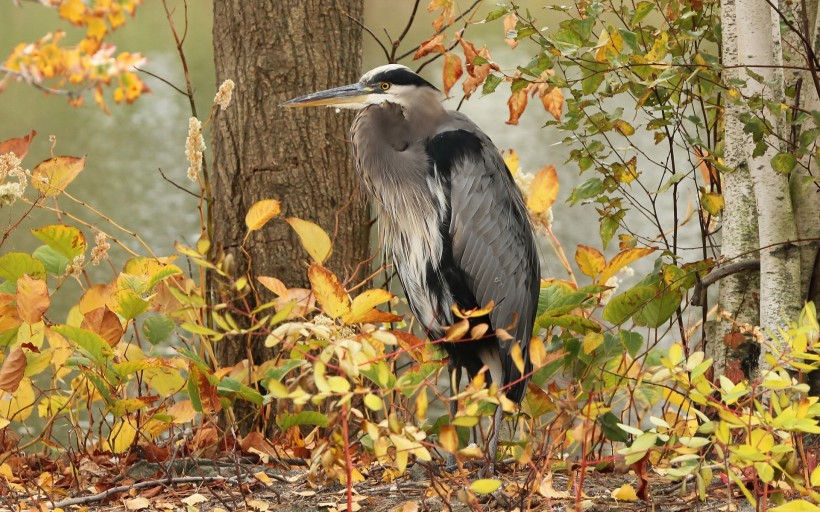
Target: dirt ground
213,486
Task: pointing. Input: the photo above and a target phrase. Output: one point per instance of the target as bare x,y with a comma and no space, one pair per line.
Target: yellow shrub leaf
32,299
364,304
544,190
328,291
538,353
621,260
448,438
122,436
517,357
592,341
52,176
625,493
261,212
274,285
485,486
18,406
590,260
314,238
511,159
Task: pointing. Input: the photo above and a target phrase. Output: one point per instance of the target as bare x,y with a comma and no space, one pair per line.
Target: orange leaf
415,347
328,291
434,44
452,71
17,145
544,189
364,303
517,103
98,296
621,260
553,101
274,285
13,370
446,17
261,212
314,238
52,176
589,260
510,21
105,323
32,299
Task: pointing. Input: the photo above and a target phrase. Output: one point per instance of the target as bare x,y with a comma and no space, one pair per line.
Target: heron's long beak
339,96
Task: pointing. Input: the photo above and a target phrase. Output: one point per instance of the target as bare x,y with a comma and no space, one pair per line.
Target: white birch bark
758,44
739,217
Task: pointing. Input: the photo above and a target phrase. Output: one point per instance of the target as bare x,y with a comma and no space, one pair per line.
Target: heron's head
392,83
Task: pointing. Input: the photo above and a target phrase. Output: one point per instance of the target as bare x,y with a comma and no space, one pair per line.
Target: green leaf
54,262
642,10
130,305
658,310
15,265
609,225
286,420
67,240
485,486
784,163
629,303
229,386
612,431
157,328
632,341
491,83
586,190
496,13
90,342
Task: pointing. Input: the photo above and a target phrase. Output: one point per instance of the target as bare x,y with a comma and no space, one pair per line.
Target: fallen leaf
625,493
546,489
193,499
137,503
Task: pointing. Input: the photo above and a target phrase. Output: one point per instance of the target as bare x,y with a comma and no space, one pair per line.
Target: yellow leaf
457,331
621,260
538,353
485,486
32,299
712,203
511,159
517,357
589,260
261,212
625,493
364,303
274,285
52,176
592,341
448,438
421,405
544,189
314,238
18,406
373,402
328,291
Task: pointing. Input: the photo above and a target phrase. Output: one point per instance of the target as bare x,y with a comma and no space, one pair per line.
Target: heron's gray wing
491,238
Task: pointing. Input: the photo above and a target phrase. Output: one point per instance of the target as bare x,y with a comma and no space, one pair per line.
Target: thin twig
163,80
375,38
175,184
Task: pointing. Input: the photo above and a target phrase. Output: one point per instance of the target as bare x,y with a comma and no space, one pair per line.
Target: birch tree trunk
759,49
738,292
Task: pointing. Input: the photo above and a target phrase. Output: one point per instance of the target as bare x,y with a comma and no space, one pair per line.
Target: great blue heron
453,218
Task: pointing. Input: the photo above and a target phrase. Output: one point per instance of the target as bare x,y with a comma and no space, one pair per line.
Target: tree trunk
274,50
738,292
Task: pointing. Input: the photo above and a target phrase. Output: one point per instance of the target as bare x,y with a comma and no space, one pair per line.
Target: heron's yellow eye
384,86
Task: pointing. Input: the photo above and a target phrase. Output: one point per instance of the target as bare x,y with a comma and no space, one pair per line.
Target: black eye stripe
401,77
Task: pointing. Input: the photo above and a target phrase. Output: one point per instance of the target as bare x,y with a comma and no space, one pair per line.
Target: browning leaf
17,145
446,17
13,370
433,45
52,176
32,299
274,285
510,21
452,71
105,323
553,100
329,292
517,104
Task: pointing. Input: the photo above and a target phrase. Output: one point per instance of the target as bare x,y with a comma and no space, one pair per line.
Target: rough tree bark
274,50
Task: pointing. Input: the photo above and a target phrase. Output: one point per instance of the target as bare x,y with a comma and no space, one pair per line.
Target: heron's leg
455,381
492,448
